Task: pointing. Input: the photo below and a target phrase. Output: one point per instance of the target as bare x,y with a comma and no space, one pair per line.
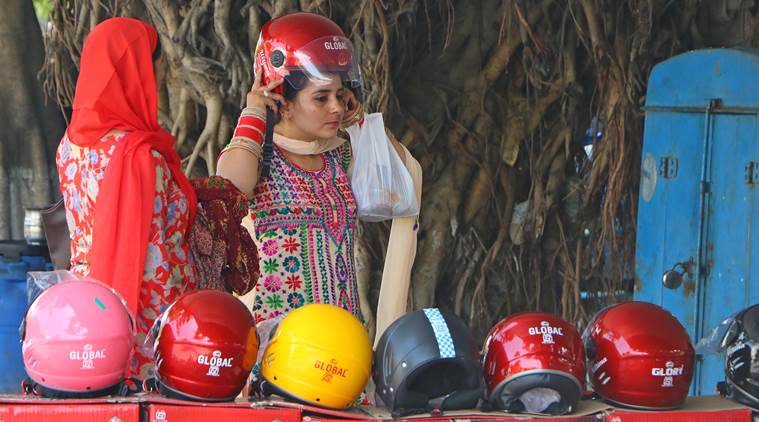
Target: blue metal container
16,258
698,201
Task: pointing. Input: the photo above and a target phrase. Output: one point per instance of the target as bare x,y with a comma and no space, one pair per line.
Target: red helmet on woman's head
205,346
307,43
530,351
639,355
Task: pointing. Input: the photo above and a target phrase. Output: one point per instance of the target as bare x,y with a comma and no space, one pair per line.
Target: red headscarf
116,89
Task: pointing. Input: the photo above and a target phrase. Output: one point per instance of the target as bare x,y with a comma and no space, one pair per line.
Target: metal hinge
668,167
752,172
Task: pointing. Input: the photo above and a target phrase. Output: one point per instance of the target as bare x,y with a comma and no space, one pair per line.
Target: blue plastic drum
16,258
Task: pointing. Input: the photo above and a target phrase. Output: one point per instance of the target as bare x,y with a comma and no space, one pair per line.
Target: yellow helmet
320,354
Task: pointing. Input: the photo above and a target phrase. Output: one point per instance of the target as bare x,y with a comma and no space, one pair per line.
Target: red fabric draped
116,89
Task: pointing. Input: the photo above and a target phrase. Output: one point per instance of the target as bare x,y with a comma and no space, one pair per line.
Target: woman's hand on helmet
354,112
350,101
263,96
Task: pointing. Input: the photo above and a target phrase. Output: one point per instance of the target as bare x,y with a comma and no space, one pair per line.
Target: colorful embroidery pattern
169,269
304,228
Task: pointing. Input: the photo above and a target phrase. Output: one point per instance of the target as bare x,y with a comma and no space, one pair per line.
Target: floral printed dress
305,223
169,269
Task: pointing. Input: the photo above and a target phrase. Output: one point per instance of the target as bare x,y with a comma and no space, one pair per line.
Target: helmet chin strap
268,147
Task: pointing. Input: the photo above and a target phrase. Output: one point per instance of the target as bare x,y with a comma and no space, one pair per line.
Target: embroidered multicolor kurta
305,223
169,270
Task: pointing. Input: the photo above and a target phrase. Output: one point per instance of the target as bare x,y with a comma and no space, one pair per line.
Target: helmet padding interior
750,322
439,379
539,392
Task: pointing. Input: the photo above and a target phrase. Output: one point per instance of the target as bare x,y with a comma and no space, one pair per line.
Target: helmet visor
719,337
324,58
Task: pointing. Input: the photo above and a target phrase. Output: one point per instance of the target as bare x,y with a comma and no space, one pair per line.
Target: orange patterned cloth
169,269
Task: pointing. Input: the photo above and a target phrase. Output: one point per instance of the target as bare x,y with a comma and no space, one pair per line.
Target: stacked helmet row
78,337
633,354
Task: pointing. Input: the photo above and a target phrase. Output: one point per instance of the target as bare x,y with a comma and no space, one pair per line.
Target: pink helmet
77,339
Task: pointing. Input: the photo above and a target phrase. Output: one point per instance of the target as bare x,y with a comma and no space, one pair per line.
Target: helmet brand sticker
264,63
331,369
442,334
215,362
335,44
603,378
669,372
546,331
277,58
87,355
598,365
735,363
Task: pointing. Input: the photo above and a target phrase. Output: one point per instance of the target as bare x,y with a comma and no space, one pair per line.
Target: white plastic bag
265,331
381,183
539,400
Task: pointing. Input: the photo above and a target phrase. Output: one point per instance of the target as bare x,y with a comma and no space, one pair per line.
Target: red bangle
254,121
249,133
251,127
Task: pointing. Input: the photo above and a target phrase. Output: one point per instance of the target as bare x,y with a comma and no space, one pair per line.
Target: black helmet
741,346
427,361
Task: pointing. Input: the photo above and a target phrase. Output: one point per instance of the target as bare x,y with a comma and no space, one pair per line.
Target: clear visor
718,337
324,59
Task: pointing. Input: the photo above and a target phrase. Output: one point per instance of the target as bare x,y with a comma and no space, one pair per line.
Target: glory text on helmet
205,346
534,353
639,356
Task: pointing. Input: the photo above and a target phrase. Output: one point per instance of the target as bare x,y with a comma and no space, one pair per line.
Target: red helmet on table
307,43
530,351
639,355
205,346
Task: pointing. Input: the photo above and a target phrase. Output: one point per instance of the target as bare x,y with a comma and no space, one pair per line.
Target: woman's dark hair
157,50
295,78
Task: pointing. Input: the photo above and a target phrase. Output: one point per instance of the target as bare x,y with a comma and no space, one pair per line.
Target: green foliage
43,8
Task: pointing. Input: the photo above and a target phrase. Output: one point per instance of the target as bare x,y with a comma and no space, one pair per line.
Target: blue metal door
731,250
668,212
695,251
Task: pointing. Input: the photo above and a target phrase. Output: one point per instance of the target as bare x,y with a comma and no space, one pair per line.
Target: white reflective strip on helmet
442,334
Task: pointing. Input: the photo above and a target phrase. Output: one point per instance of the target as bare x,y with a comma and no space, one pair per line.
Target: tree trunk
492,98
30,129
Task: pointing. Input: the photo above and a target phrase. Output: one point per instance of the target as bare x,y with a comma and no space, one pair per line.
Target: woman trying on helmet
302,211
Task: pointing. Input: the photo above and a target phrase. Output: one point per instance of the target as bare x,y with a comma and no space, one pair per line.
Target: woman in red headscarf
128,204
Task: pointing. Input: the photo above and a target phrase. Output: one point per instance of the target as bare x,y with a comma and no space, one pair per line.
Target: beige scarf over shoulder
401,251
